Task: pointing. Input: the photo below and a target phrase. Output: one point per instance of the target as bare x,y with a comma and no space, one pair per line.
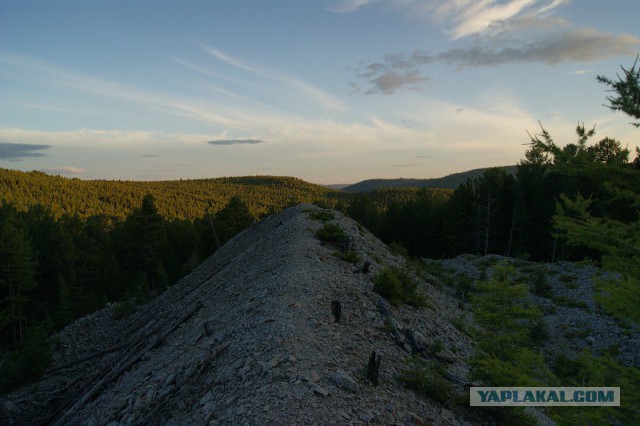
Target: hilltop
451,181
177,199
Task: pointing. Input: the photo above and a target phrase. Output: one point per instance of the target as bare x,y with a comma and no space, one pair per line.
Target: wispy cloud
18,151
311,92
462,18
64,170
175,105
403,165
236,142
347,6
582,45
578,72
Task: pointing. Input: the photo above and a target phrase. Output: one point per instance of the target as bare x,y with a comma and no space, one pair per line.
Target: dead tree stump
336,310
373,368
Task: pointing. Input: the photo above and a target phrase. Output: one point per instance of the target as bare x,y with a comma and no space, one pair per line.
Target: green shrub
395,285
427,379
348,256
510,331
588,370
332,233
399,249
620,298
539,284
321,215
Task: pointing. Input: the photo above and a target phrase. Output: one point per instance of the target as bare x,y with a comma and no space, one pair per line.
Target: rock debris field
250,337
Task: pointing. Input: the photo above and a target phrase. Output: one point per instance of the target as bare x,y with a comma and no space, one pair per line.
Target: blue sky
332,91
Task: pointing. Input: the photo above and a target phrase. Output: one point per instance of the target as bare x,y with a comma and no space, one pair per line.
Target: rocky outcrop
250,338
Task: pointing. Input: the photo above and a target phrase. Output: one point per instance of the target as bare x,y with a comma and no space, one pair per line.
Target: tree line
499,213
55,270
178,199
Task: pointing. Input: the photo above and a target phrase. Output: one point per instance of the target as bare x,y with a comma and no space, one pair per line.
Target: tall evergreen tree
144,246
233,218
535,207
17,276
495,198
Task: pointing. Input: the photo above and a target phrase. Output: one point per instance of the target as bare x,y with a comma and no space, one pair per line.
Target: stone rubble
249,338
572,318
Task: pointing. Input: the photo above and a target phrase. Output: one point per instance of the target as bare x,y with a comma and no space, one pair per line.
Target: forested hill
447,182
174,199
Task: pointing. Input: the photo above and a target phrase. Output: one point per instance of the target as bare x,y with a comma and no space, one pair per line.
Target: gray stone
170,379
345,381
319,390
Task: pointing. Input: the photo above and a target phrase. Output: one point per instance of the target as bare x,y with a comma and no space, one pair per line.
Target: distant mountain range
447,182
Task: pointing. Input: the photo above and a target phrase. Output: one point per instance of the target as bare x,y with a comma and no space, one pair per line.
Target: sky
333,91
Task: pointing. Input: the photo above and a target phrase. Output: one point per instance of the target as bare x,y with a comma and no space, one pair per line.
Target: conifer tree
17,277
627,90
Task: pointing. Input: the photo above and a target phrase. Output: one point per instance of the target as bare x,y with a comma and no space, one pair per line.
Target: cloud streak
348,6
18,151
463,18
326,100
64,170
236,142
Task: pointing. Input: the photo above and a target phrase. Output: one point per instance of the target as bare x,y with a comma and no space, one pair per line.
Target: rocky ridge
249,338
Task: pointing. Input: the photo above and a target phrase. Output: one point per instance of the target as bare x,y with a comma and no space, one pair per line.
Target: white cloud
464,18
